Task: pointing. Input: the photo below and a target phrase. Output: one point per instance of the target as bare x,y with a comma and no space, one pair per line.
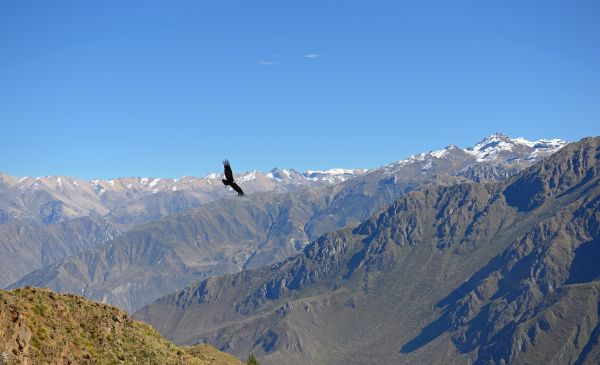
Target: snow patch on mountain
425,159
248,177
330,172
283,174
270,175
332,176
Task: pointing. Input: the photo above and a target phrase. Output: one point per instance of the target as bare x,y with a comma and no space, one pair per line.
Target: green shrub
252,360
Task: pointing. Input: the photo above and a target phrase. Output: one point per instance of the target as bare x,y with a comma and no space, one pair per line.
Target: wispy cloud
278,59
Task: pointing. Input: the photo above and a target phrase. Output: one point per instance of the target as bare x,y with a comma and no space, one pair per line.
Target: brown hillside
38,326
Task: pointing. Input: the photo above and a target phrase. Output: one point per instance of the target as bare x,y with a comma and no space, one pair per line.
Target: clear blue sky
171,88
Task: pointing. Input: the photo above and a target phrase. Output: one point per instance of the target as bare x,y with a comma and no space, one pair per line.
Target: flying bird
229,178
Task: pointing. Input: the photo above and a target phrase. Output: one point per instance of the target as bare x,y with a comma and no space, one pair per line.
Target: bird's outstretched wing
237,189
228,172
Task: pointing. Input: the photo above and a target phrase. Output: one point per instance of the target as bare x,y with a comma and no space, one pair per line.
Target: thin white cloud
312,55
266,63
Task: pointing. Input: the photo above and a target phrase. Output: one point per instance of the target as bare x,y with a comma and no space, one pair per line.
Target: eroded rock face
554,176
526,290
16,336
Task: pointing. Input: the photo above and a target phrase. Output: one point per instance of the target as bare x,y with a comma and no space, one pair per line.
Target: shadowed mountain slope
484,273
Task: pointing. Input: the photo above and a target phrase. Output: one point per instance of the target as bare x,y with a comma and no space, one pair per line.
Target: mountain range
55,199
45,219
469,272
229,235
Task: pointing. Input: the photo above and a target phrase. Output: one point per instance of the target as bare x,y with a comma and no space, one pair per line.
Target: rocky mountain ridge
233,234
53,199
467,273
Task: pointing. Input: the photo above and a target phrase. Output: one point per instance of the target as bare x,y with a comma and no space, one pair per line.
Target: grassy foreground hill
38,326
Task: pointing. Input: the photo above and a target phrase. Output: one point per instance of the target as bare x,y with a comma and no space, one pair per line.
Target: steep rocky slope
38,326
483,273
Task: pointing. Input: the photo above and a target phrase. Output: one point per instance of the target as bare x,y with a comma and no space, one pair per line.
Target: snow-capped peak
247,177
332,176
495,147
212,175
491,147
330,172
282,174
154,182
425,158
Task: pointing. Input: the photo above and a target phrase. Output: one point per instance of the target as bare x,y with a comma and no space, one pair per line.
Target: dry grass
38,326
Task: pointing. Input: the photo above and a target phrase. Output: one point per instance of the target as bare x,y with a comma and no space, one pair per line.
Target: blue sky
171,88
